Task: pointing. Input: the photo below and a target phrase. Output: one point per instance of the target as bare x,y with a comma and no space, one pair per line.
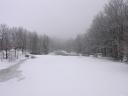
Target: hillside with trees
18,38
108,33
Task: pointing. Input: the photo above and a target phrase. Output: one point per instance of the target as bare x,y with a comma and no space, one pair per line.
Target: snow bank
50,75
12,60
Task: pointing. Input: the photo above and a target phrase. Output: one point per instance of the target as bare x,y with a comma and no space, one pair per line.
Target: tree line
18,38
108,33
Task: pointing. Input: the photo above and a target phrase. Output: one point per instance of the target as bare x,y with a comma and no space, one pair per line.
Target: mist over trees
108,33
18,38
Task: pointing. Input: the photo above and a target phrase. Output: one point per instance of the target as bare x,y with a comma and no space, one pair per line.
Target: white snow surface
12,60
68,76
6,63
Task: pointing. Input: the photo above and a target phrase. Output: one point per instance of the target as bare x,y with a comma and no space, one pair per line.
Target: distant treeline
108,33
18,38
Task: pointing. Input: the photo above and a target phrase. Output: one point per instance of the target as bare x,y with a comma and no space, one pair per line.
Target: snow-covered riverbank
68,76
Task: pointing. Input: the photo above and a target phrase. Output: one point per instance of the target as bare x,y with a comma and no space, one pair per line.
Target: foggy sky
60,18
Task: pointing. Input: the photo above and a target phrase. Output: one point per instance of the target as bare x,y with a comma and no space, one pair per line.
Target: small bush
33,57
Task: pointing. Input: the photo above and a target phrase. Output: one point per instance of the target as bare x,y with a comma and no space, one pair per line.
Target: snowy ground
12,60
68,76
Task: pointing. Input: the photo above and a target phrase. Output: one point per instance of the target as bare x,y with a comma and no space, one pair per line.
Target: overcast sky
60,18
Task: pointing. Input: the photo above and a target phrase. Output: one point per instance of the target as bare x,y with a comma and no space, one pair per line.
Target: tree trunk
6,52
